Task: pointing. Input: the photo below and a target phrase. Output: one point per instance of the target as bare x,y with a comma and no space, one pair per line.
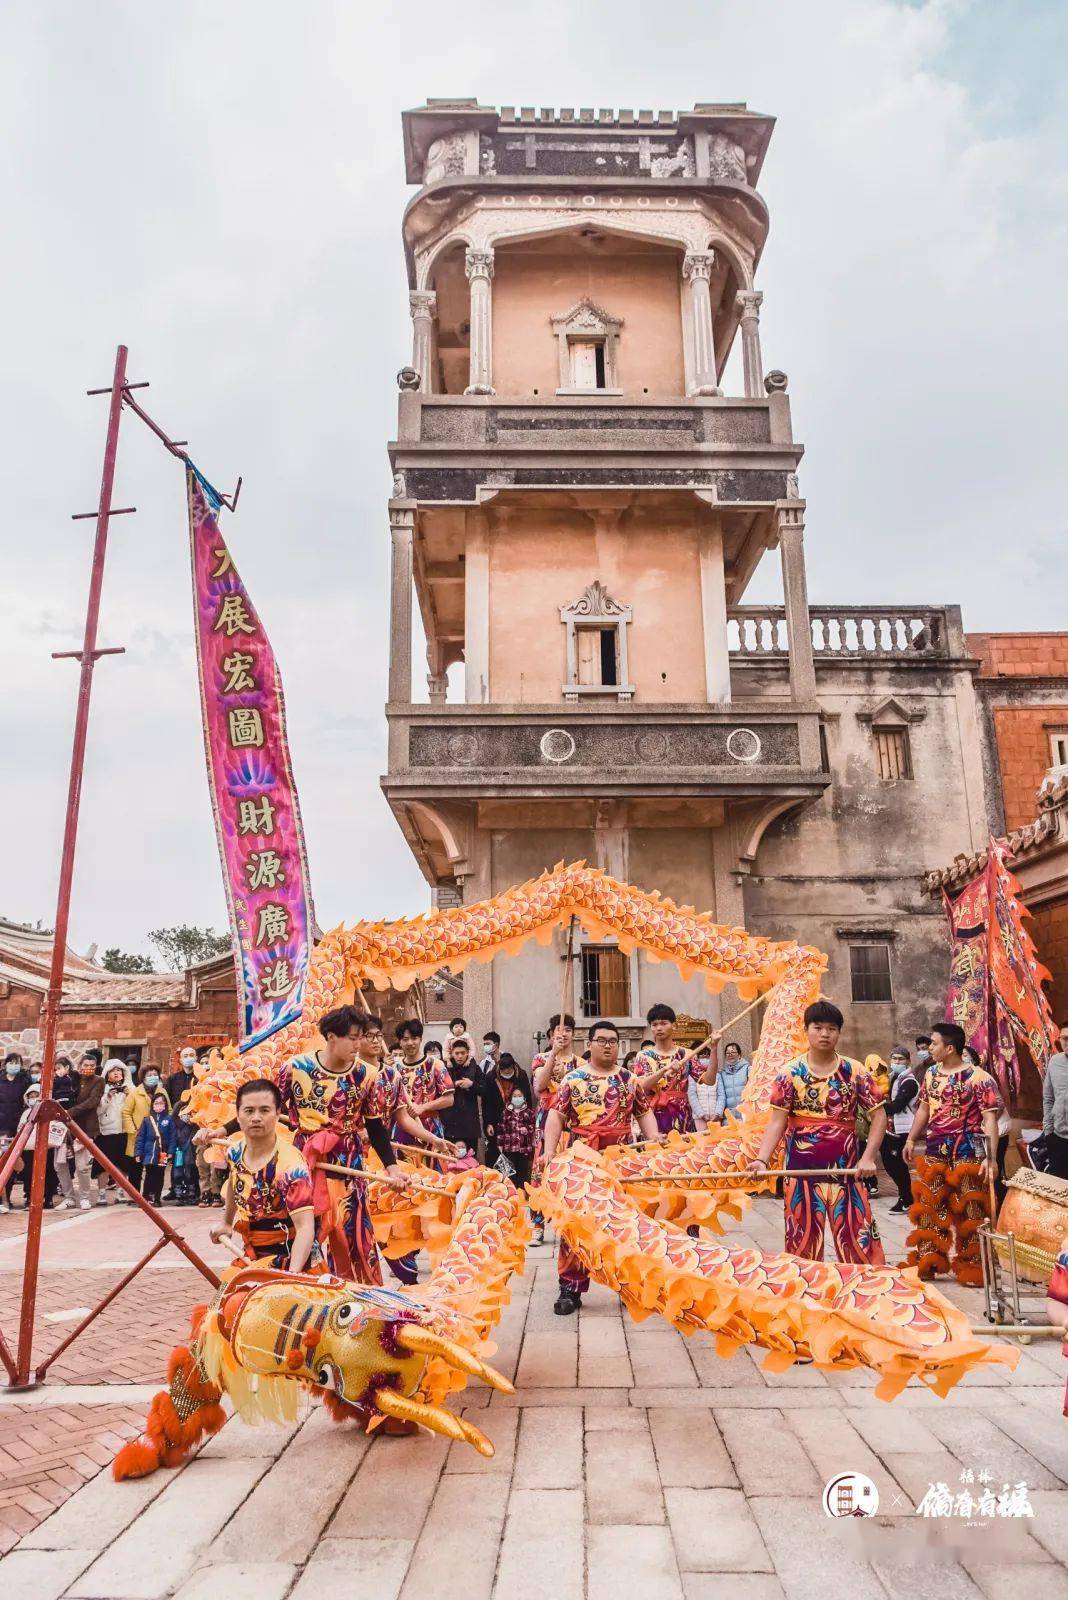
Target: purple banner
253,796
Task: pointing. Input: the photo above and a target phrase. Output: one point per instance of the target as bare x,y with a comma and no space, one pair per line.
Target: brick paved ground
49,1451
630,1462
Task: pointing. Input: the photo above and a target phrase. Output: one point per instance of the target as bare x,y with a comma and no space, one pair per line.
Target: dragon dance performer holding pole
666,1069
269,1195
327,1099
814,1104
595,1103
958,1106
547,1072
389,1102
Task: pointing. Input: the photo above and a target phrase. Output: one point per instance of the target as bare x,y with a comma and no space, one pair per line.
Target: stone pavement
630,1462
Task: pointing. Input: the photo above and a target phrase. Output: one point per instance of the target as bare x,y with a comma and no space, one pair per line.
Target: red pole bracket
91,516
76,655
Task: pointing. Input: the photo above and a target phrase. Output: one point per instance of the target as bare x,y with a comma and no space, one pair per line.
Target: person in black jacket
461,1121
14,1081
507,1079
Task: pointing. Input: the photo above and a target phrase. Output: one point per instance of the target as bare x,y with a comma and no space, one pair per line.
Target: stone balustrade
844,633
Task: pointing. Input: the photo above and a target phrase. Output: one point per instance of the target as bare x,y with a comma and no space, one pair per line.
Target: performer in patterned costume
957,1118
547,1072
426,1082
326,1097
595,1104
666,1069
269,1195
814,1104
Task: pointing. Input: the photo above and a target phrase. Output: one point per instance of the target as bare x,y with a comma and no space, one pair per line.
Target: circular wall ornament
652,745
463,749
743,745
557,745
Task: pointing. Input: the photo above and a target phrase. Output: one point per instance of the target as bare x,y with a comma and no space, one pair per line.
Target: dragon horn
436,1418
476,1437
424,1342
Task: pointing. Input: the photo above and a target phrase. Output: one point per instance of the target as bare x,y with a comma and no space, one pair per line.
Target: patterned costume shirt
388,1094
561,1067
313,1098
670,1101
598,1107
955,1104
821,1131
425,1080
266,1197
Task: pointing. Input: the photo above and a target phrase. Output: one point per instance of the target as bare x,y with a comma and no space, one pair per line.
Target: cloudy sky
220,186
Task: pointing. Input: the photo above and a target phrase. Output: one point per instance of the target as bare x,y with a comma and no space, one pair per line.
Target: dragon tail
178,1416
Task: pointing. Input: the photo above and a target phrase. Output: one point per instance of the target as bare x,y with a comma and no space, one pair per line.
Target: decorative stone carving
400,487
726,160
596,608
557,746
775,381
478,264
407,378
678,165
698,264
744,745
487,157
445,158
586,321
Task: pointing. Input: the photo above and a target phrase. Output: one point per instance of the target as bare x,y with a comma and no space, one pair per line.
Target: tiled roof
26,958
1050,824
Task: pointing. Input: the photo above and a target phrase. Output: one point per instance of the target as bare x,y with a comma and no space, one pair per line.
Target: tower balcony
462,449
531,752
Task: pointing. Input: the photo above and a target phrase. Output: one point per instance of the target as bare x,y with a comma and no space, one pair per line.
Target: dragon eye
345,1313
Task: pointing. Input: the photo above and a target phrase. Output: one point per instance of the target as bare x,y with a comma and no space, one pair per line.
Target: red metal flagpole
88,656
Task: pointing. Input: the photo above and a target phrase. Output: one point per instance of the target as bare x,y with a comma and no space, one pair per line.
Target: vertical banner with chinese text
995,977
253,795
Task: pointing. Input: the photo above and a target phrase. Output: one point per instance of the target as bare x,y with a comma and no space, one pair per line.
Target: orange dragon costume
375,1354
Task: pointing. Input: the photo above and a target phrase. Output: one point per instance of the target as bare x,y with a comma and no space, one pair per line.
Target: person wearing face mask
506,1079
515,1128
180,1080
136,1108
55,1138
84,1112
13,1085
112,1138
64,1093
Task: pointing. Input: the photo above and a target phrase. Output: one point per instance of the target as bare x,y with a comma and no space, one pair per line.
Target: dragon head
367,1346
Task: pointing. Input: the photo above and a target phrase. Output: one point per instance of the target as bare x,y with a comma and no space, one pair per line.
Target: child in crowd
184,1171
155,1147
515,1132
461,1160
56,1137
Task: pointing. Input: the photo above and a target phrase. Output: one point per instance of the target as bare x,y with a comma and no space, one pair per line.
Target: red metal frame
48,1110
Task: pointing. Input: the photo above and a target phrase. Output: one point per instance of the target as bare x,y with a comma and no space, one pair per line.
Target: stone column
748,302
476,610
697,270
402,528
791,514
478,975
478,265
714,615
436,680
423,304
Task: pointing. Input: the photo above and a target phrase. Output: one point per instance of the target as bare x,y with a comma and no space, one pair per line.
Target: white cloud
222,188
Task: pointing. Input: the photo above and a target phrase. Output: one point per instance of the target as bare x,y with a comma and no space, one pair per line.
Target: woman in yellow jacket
137,1107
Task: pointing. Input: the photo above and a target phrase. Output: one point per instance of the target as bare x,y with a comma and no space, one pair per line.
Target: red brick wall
1022,734
1020,655
1049,929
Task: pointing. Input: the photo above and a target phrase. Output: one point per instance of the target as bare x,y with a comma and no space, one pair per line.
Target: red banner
995,976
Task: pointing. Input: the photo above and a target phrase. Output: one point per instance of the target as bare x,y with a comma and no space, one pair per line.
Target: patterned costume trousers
808,1208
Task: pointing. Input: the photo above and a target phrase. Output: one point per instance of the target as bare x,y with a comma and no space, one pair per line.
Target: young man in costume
327,1099
595,1103
956,1110
666,1070
547,1071
269,1195
814,1105
426,1081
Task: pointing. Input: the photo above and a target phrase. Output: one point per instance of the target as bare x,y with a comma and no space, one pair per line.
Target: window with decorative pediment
587,338
597,645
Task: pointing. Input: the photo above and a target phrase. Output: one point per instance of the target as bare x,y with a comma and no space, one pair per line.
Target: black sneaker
567,1303
898,1208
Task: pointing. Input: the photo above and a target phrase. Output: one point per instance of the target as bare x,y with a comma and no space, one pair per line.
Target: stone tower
579,509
